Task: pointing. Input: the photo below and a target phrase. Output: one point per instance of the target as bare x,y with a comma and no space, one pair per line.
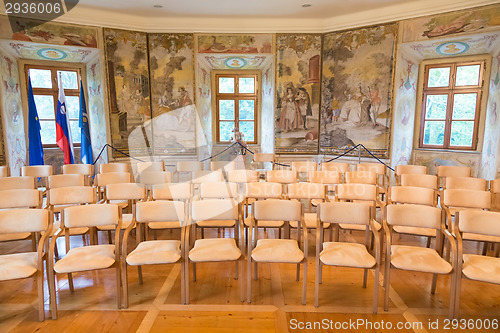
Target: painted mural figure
290,118
375,105
304,104
184,99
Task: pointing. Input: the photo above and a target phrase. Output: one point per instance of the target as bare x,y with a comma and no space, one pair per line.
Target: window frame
236,97
54,91
450,91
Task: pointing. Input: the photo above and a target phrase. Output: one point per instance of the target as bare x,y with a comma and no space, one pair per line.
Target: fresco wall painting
298,69
356,89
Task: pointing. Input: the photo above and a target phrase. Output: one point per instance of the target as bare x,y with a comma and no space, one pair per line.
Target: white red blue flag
63,131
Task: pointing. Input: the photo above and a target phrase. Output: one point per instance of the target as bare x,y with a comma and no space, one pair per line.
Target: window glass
468,75
73,106
246,85
48,132
75,131
462,133
226,130
226,109
464,106
40,78
248,130
434,133
44,106
439,77
226,85
436,107
247,109
69,79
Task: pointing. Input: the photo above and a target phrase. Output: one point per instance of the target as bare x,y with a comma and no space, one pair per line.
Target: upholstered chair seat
86,258
346,255
155,252
214,249
18,265
481,268
414,258
277,250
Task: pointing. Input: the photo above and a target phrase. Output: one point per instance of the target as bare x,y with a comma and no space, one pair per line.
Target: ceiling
319,9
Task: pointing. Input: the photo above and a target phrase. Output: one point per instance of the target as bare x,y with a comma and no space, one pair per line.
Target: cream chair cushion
18,265
347,255
277,250
164,225
216,223
86,258
214,249
482,268
264,223
414,258
155,252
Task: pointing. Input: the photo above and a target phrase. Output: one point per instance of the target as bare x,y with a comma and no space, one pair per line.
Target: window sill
437,150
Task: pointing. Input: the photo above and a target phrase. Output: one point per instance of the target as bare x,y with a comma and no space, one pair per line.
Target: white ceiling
320,9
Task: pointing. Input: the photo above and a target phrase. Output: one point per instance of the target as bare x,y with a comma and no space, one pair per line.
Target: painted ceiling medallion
52,54
452,48
235,62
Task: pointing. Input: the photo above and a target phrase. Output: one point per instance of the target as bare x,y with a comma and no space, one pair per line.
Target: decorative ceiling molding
105,18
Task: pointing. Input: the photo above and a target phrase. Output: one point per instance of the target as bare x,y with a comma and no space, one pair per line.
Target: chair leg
41,309
365,277
194,271
186,282
297,277
118,286
375,289
110,241
139,272
320,273
304,284
434,283
240,281
485,248
125,287
70,282
386,285
428,242
236,269
52,292
56,251
255,271
33,241
458,291
316,282
249,280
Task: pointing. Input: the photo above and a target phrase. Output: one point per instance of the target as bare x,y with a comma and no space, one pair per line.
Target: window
451,105
236,106
44,81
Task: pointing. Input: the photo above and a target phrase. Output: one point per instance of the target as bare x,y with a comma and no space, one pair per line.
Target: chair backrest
335,166
37,170
466,199
261,190
242,176
150,167
214,209
263,157
91,215
218,190
226,166
495,186
412,195
479,222
4,171
362,192
411,169
23,220
305,166
104,179
345,212
207,176
325,177
160,211
306,191
281,176
361,177
80,169
71,195
125,191
155,177
20,198
114,167
414,216
189,166
418,180
466,183
453,171
377,168
495,192
177,191
277,210
66,180
12,183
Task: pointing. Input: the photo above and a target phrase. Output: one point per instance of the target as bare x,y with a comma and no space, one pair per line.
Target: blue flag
35,150
86,153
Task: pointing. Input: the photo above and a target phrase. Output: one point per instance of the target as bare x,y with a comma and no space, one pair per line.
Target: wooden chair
155,252
495,194
409,169
304,168
328,178
214,249
80,169
260,158
472,266
39,172
277,250
187,167
444,171
86,258
17,183
466,183
4,171
335,166
114,167
308,192
347,254
418,180
415,258
25,265
382,174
